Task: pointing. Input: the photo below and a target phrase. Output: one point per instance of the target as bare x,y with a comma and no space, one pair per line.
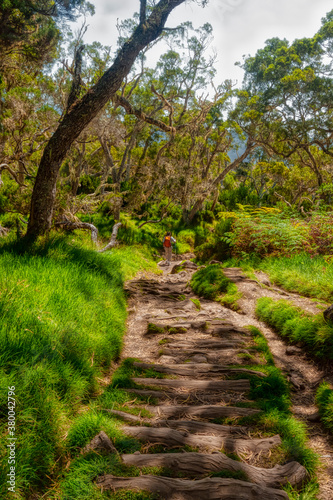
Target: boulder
186,265
328,314
101,442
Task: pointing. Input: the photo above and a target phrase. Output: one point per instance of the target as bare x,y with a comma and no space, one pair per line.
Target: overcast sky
240,26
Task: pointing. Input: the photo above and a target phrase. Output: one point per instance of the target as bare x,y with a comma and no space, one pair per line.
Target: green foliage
309,491
324,400
56,307
266,234
186,241
298,326
209,282
216,246
88,184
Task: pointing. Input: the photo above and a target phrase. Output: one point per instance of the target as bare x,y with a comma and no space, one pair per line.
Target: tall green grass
310,276
62,318
324,400
298,326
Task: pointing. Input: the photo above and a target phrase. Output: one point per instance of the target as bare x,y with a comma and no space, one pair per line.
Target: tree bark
82,111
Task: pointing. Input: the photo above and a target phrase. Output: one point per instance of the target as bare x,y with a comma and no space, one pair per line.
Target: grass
197,304
231,297
311,276
63,312
307,275
297,326
210,282
324,400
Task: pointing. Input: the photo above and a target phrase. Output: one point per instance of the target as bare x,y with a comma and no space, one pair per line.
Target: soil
165,300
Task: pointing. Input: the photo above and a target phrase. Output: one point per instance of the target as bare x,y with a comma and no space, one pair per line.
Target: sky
240,27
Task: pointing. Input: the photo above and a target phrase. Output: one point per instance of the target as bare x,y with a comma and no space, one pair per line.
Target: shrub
209,282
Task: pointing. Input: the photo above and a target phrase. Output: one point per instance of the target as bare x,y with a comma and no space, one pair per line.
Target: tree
288,92
85,108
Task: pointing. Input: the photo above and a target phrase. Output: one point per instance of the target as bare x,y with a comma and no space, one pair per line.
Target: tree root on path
181,489
201,464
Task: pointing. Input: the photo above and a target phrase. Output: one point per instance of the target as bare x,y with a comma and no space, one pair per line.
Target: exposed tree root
201,464
181,489
186,396
170,438
207,385
200,368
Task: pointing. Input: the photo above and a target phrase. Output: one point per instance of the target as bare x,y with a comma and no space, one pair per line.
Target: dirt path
197,348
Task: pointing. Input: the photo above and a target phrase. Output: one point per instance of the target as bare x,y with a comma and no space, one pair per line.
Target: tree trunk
82,111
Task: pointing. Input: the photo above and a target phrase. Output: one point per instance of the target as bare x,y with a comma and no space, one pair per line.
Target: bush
216,246
209,282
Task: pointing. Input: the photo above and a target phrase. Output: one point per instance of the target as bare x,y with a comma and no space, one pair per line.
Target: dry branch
70,226
113,240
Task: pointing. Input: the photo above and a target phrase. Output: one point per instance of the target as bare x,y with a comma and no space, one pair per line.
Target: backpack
167,241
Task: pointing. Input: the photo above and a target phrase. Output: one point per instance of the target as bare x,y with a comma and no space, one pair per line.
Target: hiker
167,242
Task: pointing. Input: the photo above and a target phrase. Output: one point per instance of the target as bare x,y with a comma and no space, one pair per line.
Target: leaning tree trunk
83,110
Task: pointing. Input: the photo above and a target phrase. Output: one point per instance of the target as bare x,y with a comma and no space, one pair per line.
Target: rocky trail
198,364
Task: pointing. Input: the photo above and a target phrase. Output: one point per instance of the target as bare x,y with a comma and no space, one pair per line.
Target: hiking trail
202,353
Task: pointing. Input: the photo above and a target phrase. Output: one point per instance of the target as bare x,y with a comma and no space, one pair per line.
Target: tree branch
143,4
70,226
113,240
4,166
282,198
130,110
77,80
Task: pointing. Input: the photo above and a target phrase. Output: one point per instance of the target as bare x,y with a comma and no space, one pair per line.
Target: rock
328,314
266,282
187,264
162,263
100,442
215,262
315,417
292,350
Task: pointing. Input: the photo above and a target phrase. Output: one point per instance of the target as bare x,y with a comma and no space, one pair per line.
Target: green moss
197,303
154,329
